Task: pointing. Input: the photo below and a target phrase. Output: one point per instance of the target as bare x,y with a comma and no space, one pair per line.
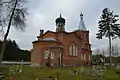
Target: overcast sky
42,15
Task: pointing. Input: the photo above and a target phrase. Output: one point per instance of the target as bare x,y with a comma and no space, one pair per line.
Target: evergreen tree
108,27
14,53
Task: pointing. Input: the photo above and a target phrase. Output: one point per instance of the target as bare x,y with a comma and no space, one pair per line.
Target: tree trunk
7,32
103,59
110,50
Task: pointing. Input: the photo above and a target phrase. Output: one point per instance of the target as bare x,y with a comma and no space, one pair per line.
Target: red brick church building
62,48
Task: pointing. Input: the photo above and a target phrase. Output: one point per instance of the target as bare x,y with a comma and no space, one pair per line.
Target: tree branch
6,2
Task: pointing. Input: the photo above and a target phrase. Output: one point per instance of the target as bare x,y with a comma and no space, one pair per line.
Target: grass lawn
30,73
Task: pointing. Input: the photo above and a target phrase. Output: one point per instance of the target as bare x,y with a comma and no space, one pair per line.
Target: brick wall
64,39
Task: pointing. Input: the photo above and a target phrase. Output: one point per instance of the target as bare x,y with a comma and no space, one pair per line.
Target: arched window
73,50
46,53
84,57
89,57
70,50
76,50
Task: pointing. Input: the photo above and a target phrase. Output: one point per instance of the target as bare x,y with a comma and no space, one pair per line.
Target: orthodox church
62,48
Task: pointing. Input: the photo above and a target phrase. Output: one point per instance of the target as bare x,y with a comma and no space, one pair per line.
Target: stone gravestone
57,76
18,68
12,70
76,71
96,73
82,70
100,73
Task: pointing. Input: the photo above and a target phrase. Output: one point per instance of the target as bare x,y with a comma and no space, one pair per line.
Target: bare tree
12,14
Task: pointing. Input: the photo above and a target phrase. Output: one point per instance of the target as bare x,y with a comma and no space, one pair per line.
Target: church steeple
60,15
81,23
60,23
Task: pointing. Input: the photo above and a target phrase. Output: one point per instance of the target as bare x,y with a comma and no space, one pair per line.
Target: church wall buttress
37,56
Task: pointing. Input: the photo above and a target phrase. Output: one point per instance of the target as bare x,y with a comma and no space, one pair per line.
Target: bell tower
60,23
82,24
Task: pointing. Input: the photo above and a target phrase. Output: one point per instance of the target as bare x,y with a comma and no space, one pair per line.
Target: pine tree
108,27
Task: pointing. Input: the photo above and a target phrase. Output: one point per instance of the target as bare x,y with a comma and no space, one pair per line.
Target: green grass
30,73
111,75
